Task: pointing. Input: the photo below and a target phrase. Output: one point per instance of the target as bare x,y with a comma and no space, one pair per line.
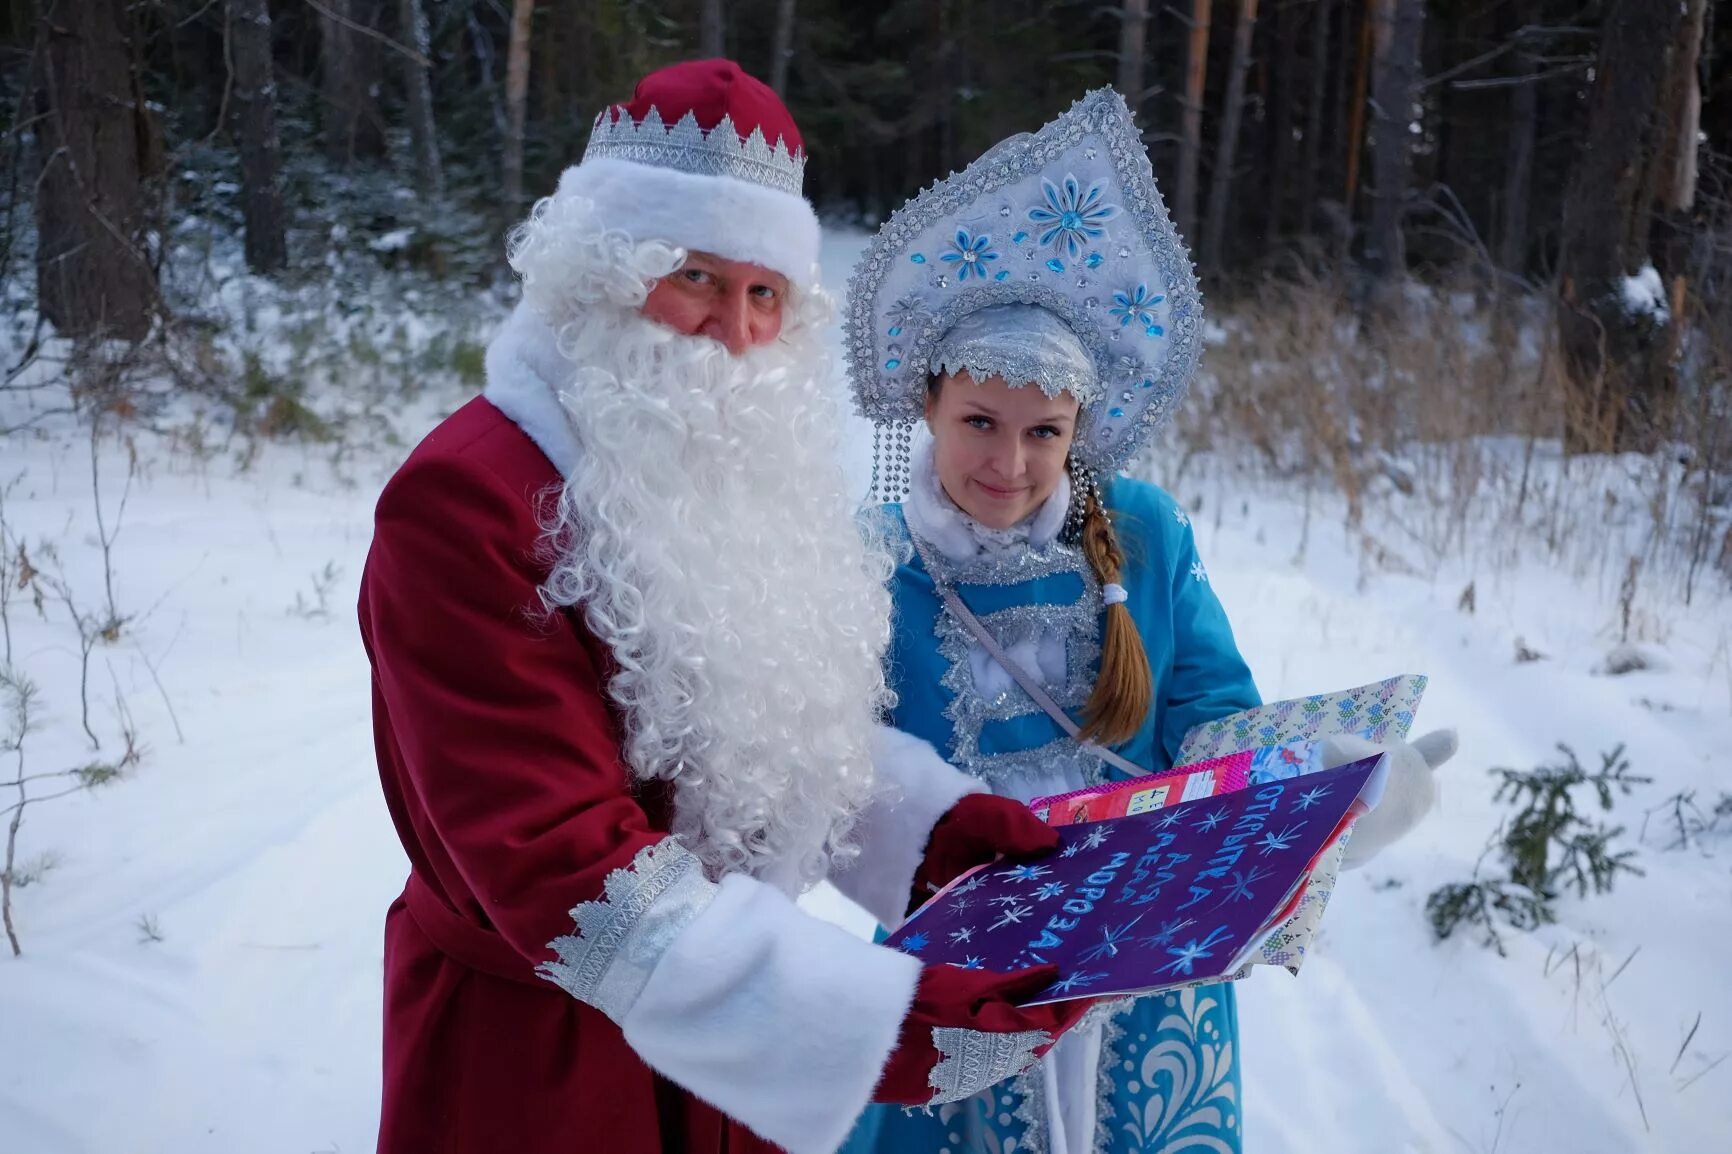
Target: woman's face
999,451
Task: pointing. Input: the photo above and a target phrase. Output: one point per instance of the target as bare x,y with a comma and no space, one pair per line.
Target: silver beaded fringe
892,472
1084,484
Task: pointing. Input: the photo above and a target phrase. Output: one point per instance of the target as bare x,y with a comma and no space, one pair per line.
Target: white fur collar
525,373
936,519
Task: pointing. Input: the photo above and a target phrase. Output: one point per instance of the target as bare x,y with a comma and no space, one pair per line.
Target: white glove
1409,795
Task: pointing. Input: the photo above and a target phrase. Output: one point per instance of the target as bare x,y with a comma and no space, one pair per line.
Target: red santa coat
689,1015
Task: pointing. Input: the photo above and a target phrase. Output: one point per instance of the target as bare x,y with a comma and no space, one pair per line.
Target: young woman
1017,332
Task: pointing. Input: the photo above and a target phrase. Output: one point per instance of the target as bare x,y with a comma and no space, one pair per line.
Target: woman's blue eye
978,422
1044,432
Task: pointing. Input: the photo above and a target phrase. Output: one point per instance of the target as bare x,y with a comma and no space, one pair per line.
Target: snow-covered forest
1464,411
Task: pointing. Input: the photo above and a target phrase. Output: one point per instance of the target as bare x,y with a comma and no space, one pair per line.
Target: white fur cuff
916,788
779,1020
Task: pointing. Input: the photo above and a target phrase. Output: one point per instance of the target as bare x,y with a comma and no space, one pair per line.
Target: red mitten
965,1032
976,830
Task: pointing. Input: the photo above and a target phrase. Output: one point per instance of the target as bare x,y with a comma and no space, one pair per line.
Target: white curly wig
707,536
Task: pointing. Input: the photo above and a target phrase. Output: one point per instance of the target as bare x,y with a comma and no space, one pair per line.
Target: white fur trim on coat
779,1020
917,787
724,215
525,371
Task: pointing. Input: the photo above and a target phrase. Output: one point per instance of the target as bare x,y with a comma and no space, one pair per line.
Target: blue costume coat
1160,1073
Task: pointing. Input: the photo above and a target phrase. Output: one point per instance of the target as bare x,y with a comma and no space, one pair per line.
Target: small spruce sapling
1546,846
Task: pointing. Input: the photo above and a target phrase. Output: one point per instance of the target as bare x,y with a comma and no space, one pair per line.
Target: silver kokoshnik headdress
1049,261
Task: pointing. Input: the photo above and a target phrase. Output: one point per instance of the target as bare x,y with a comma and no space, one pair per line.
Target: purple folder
1147,901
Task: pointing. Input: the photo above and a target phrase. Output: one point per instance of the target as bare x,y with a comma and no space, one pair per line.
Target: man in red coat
625,636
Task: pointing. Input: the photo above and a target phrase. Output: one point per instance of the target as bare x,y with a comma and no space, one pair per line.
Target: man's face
737,304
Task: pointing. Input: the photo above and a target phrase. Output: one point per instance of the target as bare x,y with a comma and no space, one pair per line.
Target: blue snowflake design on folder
1135,903
1186,957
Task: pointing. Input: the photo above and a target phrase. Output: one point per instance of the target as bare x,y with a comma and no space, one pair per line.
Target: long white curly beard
706,534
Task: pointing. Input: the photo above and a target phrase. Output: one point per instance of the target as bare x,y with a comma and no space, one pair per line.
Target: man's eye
697,276
765,292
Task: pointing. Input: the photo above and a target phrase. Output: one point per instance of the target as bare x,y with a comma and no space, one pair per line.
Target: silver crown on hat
688,148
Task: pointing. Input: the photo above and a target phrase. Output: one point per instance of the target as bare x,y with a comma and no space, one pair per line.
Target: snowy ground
257,848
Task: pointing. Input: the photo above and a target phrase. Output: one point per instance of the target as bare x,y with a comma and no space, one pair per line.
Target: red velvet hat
708,158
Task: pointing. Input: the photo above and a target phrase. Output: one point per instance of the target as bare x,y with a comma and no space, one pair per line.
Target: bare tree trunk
255,131
782,48
546,52
1321,10
196,51
516,97
485,54
429,174
711,29
349,69
1519,152
1607,344
1227,146
941,86
1355,143
582,91
1133,42
1191,140
1677,177
1400,26
1286,112
93,277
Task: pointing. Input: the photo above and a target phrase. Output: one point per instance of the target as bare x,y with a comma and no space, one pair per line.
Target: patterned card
1146,901
1283,762
1376,712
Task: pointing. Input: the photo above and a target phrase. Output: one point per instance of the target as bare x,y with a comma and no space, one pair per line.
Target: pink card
1144,794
